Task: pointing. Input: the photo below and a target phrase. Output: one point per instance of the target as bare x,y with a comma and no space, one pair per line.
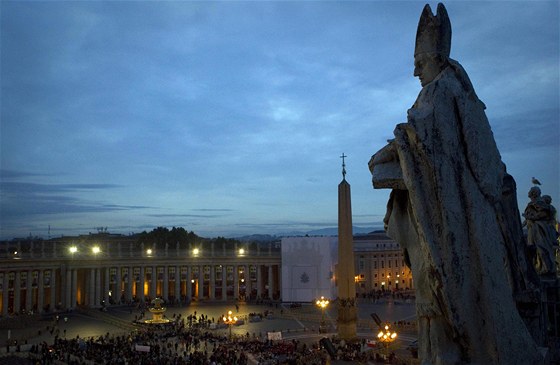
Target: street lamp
230,321
95,250
72,250
322,303
386,337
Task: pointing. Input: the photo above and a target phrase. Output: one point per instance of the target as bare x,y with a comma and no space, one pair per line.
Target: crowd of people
183,341
190,341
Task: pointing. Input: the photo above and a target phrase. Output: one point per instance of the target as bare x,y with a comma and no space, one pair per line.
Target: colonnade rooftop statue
542,237
454,212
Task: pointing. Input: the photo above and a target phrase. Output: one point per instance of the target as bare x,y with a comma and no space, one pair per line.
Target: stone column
40,291
53,289
5,294
153,284
189,283
259,281
68,289
118,287
128,284
200,282
248,282
91,288
165,283
212,286
17,293
224,282
106,285
271,287
29,291
236,282
98,294
140,285
177,282
74,297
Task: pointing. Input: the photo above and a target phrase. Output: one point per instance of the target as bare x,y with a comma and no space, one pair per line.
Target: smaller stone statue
554,224
542,237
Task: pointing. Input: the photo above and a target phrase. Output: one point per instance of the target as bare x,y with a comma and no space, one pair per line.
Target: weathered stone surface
457,220
385,170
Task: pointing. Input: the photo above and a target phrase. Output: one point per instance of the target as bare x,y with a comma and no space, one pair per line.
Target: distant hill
332,231
258,238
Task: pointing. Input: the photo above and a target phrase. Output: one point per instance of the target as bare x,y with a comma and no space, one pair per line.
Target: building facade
380,265
63,274
98,270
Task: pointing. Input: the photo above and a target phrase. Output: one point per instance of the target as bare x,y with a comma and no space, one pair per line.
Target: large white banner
275,336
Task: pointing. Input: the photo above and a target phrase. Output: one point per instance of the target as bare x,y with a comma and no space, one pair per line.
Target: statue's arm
385,168
389,153
384,155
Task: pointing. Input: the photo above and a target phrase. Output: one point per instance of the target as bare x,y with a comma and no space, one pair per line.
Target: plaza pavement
300,323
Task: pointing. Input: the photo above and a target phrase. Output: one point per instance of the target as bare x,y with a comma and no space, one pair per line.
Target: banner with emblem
172,272
47,278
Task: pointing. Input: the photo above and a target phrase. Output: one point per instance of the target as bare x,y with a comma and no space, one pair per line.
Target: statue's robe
542,236
449,220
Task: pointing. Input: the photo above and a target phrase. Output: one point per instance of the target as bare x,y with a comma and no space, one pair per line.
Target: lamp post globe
229,320
322,303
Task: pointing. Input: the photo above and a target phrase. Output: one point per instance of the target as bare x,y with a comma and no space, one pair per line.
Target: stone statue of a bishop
454,212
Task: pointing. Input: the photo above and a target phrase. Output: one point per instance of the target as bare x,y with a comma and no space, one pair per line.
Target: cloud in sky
229,118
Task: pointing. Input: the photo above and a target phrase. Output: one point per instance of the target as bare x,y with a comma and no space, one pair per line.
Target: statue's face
427,67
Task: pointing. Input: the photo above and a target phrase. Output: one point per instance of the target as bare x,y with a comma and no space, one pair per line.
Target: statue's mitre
434,32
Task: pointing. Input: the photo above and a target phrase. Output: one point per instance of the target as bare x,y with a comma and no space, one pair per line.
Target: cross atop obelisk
343,166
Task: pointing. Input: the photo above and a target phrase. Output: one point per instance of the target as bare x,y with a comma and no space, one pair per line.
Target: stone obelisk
346,321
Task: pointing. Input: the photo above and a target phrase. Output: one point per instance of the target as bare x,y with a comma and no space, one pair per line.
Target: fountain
157,312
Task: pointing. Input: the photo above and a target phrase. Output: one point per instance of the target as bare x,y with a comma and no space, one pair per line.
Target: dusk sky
228,118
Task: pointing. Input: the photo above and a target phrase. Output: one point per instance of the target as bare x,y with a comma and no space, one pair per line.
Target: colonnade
78,284
29,290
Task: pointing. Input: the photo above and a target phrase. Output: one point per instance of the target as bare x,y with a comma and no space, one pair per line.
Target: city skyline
229,118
